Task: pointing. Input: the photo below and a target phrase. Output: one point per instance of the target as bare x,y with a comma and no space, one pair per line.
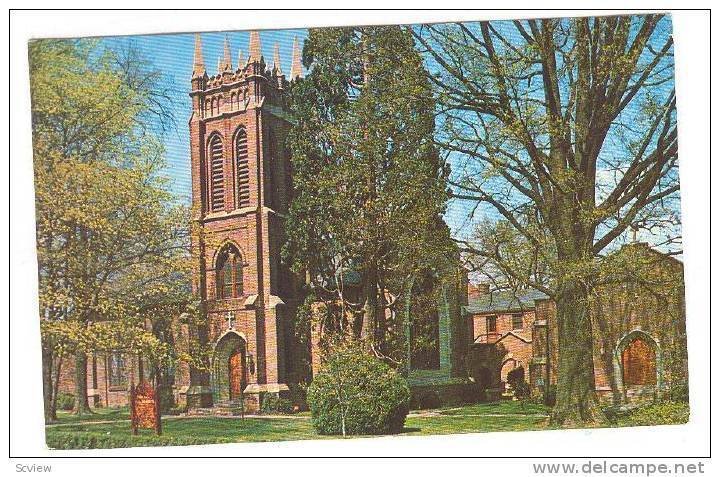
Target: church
241,184
241,176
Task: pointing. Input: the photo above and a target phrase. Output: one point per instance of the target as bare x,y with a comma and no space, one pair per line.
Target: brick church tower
241,186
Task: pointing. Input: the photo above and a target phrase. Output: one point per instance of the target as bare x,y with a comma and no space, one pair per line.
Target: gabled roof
506,300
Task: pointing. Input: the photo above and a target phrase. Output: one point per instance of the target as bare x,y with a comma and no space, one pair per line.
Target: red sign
144,408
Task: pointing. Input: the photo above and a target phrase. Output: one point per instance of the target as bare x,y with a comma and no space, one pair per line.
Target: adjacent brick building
639,343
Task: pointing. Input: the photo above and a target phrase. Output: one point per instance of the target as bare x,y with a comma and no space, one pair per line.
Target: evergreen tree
370,189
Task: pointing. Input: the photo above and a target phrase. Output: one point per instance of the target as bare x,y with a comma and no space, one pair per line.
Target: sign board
145,408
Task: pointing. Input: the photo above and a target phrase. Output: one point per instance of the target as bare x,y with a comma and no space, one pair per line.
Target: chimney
478,290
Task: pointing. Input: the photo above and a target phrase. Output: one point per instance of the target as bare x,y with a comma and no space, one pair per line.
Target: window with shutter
242,169
217,179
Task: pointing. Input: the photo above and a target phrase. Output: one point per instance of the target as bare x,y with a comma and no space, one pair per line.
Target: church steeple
241,188
296,66
277,68
198,63
226,62
255,48
241,60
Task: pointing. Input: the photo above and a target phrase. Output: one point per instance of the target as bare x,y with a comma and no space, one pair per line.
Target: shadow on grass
410,429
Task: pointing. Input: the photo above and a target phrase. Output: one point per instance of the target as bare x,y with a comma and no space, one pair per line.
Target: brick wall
100,392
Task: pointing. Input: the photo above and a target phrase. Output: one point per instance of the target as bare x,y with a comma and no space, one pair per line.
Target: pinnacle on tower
276,60
198,63
255,49
296,66
226,62
241,60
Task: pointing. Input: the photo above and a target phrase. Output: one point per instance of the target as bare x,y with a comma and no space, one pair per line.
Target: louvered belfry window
242,169
217,182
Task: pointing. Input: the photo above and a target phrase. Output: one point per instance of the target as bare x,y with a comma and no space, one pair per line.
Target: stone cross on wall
230,316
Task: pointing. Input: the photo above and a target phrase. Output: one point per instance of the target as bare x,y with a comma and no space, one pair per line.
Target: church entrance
229,370
638,364
236,371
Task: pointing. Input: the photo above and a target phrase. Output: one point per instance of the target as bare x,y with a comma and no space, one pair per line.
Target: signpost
145,408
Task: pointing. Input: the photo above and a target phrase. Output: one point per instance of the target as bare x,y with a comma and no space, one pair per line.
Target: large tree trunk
576,402
370,307
81,390
48,385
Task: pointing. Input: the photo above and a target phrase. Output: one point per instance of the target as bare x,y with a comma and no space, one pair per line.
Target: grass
100,414
80,432
75,432
499,407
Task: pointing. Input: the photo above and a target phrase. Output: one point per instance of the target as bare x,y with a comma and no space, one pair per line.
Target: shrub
657,414
427,400
522,390
273,404
65,401
680,393
516,379
356,393
539,398
167,399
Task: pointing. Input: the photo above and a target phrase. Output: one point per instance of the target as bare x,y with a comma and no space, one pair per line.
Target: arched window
217,180
229,273
638,362
242,169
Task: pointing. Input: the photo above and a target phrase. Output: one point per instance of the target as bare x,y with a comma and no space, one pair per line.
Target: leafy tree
370,189
111,243
568,132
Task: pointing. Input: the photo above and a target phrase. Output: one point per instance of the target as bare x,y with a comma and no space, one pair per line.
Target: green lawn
80,432
77,433
101,414
499,407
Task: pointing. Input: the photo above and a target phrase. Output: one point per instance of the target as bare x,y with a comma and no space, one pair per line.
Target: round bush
272,404
358,394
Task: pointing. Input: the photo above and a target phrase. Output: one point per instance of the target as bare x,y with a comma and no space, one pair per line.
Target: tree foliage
370,189
112,243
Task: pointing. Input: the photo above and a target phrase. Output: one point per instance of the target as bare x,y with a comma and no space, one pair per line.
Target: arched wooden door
638,363
236,373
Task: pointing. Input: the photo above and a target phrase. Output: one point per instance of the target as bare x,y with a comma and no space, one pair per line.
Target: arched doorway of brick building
229,368
638,365
507,366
